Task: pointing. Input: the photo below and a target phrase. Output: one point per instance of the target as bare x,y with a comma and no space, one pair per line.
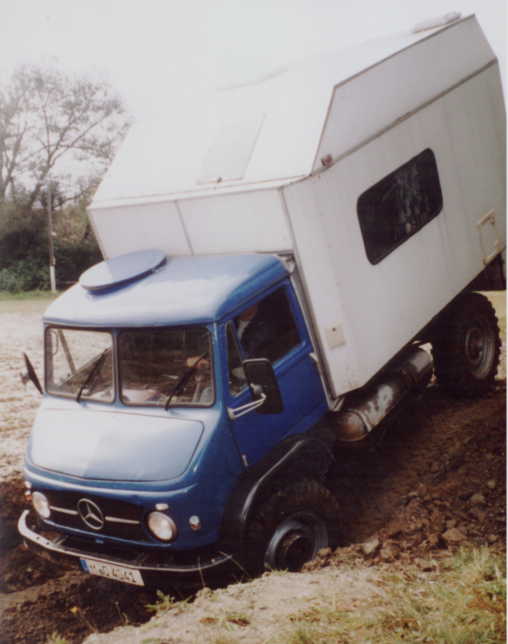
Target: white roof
267,133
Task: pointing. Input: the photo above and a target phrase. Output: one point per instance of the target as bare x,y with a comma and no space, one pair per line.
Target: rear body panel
349,120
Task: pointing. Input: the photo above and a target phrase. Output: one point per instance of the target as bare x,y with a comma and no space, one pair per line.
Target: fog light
195,522
162,526
41,505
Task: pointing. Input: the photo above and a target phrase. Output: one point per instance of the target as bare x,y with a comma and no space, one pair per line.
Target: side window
398,206
236,374
267,329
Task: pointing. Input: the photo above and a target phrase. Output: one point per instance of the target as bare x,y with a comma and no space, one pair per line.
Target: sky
151,50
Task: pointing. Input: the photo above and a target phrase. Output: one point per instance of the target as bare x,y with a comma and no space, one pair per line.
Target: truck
277,263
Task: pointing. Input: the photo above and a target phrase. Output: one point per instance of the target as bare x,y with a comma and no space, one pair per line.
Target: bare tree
53,123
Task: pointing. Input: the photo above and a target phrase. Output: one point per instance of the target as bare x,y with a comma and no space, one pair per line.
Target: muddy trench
414,482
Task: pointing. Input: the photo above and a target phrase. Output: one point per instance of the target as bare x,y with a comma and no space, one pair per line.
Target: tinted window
267,329
399,205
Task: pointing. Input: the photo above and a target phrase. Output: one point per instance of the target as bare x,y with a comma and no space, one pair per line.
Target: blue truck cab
148,439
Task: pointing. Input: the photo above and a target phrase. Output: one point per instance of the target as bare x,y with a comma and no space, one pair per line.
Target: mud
432,482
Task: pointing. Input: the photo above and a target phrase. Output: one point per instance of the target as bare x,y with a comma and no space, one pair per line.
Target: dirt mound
436,484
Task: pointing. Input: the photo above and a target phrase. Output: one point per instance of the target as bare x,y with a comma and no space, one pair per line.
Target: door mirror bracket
262,381
246,409
266,397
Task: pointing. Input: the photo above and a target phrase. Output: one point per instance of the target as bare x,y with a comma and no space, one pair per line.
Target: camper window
398,206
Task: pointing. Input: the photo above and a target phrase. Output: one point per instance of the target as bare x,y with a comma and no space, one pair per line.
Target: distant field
29,302
498,299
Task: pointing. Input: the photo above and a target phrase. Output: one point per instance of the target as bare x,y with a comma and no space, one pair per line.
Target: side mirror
30,374
262,380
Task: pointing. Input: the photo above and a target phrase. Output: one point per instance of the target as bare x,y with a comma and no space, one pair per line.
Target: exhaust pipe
369,406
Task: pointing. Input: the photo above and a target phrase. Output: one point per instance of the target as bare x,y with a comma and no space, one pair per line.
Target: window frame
230,328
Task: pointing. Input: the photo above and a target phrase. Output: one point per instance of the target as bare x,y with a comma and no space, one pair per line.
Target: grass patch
162,604
464,603
55,638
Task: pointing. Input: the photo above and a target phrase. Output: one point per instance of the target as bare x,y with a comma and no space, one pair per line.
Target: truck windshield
78,363
170,365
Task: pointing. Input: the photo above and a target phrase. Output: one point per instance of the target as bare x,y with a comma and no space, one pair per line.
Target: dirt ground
435,481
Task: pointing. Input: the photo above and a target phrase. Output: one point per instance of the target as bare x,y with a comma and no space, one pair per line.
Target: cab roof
184,290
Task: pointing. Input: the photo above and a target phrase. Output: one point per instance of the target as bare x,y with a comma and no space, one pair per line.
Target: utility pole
52,278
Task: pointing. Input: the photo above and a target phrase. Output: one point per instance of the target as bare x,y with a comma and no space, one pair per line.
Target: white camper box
284,164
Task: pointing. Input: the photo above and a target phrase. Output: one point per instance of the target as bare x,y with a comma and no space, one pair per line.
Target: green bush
24,252
72,260
23,236
24,275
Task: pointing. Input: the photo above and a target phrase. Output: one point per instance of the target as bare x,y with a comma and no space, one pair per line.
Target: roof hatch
122,269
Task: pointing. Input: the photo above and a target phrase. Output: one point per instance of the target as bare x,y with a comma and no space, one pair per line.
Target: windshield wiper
94,369
183,380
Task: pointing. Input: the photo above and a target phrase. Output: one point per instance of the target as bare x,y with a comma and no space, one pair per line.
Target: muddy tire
467,347
290,527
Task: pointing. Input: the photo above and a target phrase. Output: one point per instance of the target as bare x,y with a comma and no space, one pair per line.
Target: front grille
114,519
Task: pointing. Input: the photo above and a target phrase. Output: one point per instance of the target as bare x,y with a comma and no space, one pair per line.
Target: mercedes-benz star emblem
91,514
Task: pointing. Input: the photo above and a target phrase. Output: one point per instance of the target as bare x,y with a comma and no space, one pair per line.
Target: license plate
128,575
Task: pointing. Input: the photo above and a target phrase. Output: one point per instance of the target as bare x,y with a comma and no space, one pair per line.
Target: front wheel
291,526
467,346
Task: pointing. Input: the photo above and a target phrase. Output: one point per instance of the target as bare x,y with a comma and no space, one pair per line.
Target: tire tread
306,493
451,366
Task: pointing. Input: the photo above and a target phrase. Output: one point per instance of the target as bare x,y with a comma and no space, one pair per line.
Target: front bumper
57,549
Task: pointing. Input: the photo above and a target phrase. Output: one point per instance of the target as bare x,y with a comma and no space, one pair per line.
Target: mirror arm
245,409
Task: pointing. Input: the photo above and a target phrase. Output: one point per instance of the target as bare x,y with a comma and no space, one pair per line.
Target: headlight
162,526
41,504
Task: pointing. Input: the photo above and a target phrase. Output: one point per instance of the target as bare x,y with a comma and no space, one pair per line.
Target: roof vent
440,21
122,269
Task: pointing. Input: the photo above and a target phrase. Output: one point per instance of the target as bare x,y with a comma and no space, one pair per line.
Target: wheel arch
296,457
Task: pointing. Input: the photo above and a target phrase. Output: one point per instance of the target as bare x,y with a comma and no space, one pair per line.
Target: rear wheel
467,346
290,527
